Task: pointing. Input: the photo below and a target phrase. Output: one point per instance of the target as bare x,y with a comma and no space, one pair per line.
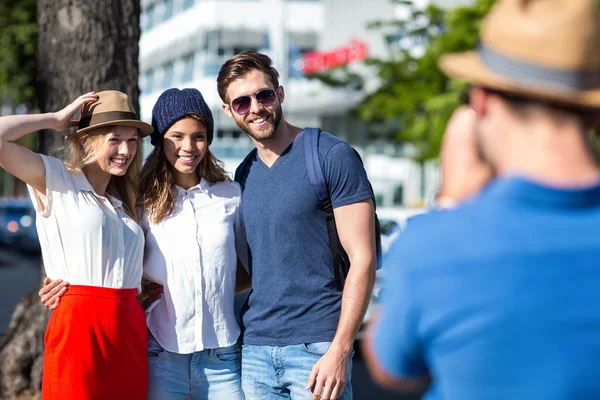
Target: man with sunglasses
298,328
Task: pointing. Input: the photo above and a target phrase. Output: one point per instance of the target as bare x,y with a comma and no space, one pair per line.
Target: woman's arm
19,160
52,291
242,279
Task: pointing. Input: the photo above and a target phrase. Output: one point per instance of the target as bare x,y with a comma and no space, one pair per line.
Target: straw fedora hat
111,108
543,49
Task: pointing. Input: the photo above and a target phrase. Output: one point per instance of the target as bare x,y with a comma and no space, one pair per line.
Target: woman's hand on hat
64,117
464,174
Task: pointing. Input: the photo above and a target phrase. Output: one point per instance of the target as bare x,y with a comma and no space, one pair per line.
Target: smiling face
118,151
260,122
185,144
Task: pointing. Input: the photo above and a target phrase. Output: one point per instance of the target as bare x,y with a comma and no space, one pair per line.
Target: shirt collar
82,183
523,190
203,186
116,203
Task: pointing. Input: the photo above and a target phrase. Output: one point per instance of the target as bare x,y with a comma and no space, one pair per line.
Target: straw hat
544,49
111,108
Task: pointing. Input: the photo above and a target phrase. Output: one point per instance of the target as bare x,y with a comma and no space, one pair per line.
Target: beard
264,133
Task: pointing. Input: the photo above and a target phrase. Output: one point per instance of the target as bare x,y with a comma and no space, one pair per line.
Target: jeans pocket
155,350
317,349
227,354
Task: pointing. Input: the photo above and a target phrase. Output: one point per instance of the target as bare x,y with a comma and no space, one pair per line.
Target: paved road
365,389
20,274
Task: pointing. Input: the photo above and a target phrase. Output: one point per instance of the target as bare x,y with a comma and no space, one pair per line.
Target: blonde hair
77,154
157,181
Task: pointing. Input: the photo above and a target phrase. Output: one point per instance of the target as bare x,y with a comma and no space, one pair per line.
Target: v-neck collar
281,157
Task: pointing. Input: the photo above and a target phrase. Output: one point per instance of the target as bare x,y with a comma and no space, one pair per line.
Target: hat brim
144,128
468,66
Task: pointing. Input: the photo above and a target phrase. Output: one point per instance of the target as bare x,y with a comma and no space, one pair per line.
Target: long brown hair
157,181
77,154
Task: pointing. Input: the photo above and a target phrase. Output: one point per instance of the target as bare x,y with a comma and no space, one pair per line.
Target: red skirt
96,346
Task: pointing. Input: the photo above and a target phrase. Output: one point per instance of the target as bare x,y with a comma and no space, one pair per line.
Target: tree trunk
83,45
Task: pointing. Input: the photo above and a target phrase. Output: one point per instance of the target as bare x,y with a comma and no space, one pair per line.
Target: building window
148,17
187,75
399,195
167,80
147,81
168,12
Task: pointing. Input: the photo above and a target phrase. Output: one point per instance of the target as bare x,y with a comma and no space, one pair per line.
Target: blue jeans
212,374
275,373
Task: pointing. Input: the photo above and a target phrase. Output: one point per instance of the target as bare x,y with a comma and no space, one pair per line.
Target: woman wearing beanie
191,216
193,224
86,220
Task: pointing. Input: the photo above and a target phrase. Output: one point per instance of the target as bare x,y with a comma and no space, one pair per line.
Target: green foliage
18,44
415,99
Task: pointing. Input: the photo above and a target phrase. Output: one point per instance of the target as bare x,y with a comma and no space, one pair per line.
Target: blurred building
185,42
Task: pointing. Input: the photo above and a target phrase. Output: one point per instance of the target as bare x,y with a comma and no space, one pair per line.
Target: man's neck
270,150
558,156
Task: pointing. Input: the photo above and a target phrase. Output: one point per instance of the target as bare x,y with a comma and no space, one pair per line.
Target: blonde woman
86,221
194,236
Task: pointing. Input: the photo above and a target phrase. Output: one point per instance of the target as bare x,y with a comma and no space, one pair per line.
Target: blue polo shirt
500,298
293,299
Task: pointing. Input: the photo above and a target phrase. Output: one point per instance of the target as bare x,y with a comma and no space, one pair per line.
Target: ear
281,94
227,110
478,99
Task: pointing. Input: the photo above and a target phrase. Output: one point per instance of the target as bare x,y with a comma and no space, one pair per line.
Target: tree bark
83,45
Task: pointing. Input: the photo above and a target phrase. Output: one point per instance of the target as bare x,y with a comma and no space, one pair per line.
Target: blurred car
17,225
392,221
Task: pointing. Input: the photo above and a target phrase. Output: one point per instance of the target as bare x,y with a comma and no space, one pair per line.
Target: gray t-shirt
293,298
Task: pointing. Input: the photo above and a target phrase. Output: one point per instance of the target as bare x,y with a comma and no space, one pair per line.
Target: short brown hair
523,106
240,65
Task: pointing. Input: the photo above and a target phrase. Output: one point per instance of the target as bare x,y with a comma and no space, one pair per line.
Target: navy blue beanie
173,105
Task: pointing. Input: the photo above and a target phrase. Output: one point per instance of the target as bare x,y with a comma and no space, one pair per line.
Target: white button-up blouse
86,239
192,253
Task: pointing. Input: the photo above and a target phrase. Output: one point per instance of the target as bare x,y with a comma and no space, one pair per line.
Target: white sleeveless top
86,239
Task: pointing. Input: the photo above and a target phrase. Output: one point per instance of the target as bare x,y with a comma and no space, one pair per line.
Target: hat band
538,75
101,118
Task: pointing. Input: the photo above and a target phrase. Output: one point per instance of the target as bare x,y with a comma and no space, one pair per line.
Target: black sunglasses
242,104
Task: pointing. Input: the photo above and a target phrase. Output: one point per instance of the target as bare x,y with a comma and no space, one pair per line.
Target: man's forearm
355,300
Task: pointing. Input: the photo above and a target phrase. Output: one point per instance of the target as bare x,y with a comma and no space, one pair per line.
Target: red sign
319,61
